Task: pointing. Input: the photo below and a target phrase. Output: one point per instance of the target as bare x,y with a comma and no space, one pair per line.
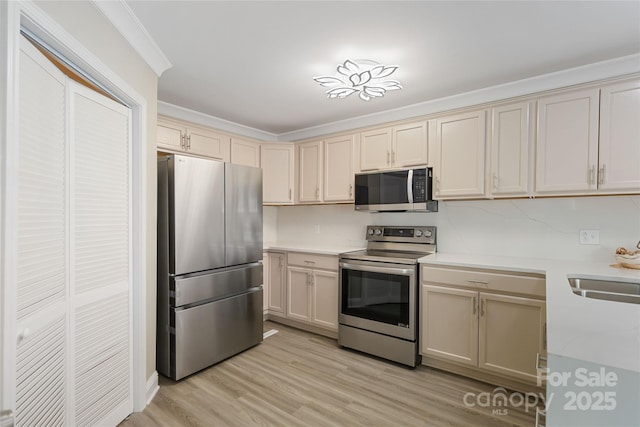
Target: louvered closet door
100,249
74,354
42,350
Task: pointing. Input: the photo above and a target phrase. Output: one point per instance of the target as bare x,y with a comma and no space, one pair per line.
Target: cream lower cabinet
489,324
312,289
275,282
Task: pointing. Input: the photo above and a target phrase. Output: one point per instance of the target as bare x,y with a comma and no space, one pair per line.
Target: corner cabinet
175,136
246,153
489,325
394,147
277,162
459,166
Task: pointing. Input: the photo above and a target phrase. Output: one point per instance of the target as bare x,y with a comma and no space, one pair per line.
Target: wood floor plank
295,378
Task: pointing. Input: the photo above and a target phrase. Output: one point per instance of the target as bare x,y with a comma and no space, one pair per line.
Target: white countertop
313,248
598,331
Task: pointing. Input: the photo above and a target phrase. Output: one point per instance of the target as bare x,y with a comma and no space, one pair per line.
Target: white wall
540,228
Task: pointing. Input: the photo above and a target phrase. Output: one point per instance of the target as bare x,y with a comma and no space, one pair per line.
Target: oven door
379,297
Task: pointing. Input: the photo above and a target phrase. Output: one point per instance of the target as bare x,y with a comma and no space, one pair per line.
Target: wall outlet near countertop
589,237
316,228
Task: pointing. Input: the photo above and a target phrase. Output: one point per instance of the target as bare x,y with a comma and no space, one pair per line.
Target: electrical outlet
316,228
589,237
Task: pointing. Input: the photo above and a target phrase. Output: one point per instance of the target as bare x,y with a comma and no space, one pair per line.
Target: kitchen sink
609,290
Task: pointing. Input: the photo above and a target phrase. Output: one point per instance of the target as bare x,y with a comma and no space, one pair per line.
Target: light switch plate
589,237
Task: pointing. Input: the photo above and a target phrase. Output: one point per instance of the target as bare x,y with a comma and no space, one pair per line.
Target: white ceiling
253,63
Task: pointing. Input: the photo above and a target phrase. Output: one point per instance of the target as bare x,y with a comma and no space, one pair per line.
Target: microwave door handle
410,186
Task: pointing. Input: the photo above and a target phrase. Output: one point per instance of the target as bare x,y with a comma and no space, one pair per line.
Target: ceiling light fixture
365,77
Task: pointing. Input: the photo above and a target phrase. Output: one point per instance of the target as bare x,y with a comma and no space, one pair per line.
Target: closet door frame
14,17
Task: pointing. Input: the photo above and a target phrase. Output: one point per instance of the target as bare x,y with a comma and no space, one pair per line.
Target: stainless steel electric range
379,292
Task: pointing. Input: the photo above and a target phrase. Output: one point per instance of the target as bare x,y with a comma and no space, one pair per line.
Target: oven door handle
389,270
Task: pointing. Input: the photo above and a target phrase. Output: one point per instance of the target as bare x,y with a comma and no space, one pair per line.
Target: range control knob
418,233
378,232
370,232
427,233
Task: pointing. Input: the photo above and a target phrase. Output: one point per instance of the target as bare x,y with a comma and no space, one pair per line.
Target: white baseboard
152,387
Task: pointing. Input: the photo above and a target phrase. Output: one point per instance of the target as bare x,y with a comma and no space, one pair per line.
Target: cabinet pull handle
437,185
482,307
475,305
189,142
601,175
309,262
592,175
289,194
350,190
388,157
478,282
495,181
393,156
183,139
317,193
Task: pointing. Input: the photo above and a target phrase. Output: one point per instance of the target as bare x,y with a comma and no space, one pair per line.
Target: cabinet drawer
326,262
507,282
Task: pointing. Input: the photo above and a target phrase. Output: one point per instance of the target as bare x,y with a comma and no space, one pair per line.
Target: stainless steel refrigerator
209,262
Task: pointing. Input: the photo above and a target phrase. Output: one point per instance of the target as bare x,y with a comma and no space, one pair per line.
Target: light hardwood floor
295,378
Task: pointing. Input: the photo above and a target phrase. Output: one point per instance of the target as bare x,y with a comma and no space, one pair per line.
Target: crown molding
182,113
127,23
617,67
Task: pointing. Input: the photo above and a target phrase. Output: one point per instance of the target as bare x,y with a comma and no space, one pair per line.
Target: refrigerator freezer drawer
209,333
215,285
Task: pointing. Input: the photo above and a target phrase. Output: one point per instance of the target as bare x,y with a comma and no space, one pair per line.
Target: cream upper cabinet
375,149
277,165
459,167
510,146
394,147
246,153
178,136
338,169
619,148
449,325
511,333
567,145
409,145
310,172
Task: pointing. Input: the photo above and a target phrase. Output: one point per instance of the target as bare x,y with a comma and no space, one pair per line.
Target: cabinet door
338,169
510,150
567,146
460,165
299,282
245,153
276,161
207,143
449,324
511,334
619,155
170,135
409,145
325,299
277,287
310,170
375,149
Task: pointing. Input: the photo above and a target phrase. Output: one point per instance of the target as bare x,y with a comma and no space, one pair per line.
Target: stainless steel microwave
408,190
